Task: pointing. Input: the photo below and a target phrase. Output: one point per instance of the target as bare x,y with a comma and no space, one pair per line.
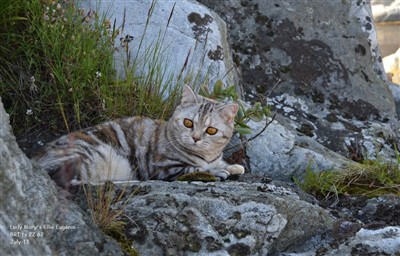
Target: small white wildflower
29,112
98,74
72,38
33,87
46,17
58,6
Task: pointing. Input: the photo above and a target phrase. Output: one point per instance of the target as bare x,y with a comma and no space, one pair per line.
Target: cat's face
203,125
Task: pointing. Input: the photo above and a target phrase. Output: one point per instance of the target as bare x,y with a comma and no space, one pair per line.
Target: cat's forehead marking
205,110
206,107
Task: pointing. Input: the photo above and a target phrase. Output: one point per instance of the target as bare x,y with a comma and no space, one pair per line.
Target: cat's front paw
220,174
235,169
223,174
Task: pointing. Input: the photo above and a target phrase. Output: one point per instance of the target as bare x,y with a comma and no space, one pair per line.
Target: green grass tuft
58,73
107,204
56,57
370,178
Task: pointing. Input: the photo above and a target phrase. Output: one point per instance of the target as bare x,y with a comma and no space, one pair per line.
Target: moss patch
117,232
197,176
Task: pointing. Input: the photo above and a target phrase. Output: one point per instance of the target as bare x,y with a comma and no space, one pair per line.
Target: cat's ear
188,96
229,111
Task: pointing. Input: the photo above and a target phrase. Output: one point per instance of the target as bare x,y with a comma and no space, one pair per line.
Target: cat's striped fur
139,148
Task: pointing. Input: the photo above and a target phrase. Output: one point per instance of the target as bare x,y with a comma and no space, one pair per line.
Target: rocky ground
226,218
333,102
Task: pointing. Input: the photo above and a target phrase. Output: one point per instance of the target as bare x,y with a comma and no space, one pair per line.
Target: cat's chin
197,147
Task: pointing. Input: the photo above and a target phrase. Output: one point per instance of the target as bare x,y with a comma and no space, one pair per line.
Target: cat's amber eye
211,130
188,123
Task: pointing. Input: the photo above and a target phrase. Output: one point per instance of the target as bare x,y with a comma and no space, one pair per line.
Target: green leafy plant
255,113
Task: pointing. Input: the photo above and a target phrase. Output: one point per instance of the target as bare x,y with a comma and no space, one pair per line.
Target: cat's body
139,148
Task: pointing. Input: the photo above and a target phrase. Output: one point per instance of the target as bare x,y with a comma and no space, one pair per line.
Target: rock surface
333,87
259,218
385,241
318,50
35,218
281,153
231,218
194,34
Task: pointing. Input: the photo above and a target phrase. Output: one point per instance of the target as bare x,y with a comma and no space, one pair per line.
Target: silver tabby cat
139,148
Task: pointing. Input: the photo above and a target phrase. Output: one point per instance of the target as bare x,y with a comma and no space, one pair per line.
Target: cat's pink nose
196,139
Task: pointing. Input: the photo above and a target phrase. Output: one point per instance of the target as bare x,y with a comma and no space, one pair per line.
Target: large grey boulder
283,153
244,218
333,87
35,219
327,52
193,35
231,218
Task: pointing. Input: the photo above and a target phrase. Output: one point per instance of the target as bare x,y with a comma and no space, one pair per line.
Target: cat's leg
173,173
